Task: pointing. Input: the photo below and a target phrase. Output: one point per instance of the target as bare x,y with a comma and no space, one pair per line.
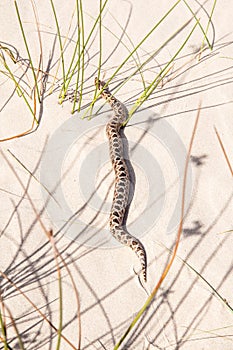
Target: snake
122,178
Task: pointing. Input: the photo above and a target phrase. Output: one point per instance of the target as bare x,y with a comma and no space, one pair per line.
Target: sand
59,178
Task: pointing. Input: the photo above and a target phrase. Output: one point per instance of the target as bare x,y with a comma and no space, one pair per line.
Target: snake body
122,182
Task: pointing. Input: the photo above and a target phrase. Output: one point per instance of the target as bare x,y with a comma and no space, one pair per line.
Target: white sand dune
59,178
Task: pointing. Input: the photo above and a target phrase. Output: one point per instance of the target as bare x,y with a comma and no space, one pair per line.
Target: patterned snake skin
121,190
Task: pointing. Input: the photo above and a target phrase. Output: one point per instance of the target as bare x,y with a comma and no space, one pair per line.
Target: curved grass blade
27,49
22,94
208,24
17,86
202,29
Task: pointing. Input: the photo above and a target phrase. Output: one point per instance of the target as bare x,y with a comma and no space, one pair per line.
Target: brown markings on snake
122,183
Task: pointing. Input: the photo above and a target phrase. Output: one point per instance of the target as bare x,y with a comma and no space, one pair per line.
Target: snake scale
122,181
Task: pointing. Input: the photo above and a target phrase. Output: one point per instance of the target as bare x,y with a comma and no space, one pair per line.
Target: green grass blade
100,52
16,329
77,50
67,79
18,88
82,56
60,43
59,333
215,292
209,284
77,42
65,85
142,41
165,43
100,41
228,231
3,332
202,29
209,21
132,52
137,62
150,89
27,49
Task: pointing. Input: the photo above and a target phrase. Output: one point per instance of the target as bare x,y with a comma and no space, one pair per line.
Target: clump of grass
76,62
33,96
8,73
148,90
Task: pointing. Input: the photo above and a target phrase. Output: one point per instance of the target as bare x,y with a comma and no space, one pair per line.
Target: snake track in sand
122,182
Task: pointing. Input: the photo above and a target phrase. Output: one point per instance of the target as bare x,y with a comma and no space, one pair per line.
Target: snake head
101,85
